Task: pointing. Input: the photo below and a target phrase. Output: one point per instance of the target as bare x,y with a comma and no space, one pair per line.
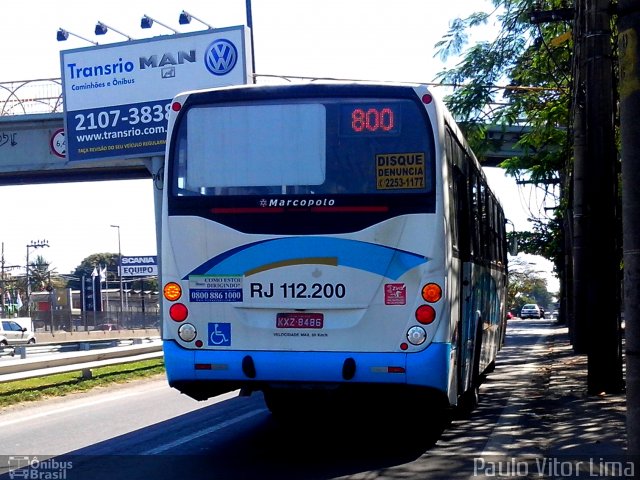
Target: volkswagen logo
221,57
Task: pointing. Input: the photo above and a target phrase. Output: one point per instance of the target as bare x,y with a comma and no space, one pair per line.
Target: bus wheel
467,403
287,405
278,402
469,400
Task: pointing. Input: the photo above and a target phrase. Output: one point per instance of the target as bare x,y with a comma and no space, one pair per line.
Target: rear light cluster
425,314
178,312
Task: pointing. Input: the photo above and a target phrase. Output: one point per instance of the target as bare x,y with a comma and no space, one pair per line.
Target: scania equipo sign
143,266
117,96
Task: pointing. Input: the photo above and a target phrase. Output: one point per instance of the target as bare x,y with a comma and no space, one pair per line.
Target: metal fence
31,96
139,310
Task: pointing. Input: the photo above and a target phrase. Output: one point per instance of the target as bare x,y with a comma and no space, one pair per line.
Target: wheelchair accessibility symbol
220,334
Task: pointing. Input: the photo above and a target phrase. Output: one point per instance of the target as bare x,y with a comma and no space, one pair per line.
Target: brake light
172,291
178,312
425,314
176,106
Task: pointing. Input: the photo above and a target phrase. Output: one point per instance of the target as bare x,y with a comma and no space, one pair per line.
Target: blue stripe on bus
429,368
379,259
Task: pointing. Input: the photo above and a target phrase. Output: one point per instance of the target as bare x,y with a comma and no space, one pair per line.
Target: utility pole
600,272
120,318
34,245
577,324
629,51
2,282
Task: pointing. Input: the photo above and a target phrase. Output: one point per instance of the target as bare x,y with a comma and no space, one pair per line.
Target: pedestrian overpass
33,148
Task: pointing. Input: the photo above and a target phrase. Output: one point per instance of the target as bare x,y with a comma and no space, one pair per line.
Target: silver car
12,333
531,310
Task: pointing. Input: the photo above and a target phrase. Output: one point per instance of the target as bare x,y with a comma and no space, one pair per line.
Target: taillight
178,312
172,291
425,314
432,292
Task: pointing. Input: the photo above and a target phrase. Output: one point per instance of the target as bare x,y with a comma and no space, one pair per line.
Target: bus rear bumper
250,369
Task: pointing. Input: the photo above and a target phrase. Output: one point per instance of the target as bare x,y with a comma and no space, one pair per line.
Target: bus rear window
304,147
251,146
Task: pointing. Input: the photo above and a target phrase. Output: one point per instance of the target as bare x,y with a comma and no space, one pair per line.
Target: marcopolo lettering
320,202
167,58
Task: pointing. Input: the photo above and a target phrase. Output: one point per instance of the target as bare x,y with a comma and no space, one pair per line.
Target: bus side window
474,215
463,217
453,192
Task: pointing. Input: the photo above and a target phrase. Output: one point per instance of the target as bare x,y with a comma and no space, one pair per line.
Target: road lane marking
202,433
74,405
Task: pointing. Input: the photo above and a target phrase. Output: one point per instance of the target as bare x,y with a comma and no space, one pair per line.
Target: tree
95,261
534,62
110,262
629,28
525,285
39,274
534,54
546,239
41,277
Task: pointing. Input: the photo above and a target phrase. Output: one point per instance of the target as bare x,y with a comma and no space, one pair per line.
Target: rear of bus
303,241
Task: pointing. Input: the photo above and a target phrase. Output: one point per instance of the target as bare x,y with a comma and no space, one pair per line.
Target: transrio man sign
143,266
117,97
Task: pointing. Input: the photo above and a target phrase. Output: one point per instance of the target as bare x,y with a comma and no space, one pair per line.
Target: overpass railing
31,96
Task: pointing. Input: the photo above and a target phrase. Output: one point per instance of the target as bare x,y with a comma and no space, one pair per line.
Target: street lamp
103,28
147,22
33,244
185,19
63,34
120,271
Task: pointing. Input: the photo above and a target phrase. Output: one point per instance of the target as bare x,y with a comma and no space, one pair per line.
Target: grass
33,389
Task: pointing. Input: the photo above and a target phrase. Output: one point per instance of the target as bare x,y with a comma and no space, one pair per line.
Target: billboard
117,97
141,266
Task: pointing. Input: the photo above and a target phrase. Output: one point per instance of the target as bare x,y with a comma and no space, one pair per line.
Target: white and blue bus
326,238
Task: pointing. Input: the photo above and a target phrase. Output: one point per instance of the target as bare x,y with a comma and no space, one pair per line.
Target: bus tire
470,399
289,405
467,403
278,402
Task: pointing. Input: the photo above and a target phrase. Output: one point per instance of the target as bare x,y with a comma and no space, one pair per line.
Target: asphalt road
147,430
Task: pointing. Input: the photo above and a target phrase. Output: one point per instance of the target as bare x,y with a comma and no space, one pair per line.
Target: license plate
299,320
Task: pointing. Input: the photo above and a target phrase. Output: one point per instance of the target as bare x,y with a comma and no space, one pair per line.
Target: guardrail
84,361
73,346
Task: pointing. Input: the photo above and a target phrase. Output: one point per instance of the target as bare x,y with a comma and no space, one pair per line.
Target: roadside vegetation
12,393
522,77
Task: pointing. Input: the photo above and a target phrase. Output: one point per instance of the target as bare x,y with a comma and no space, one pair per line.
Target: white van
12,333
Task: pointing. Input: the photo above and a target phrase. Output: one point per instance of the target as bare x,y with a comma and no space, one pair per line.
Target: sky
348,39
